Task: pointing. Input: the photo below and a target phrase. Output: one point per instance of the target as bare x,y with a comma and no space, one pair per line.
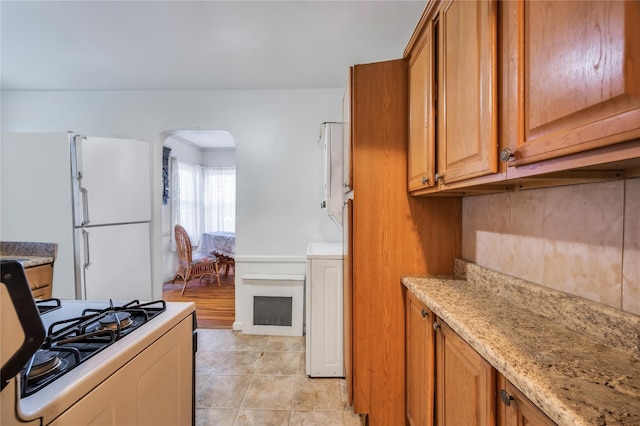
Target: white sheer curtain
186,198
219,189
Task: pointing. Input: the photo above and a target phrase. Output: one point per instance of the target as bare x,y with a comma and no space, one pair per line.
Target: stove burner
112,321
44,363
47,305
73,340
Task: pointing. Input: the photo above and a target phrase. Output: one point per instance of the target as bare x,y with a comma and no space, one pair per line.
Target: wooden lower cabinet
449,383
465,382
40,280
420,369
515,409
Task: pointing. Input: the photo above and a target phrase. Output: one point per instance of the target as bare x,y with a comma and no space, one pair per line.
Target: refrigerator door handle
81,195
85,240
85,206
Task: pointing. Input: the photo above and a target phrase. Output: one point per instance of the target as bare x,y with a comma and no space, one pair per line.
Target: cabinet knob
436,326
425,180
505,397
424,313
439,177
506,155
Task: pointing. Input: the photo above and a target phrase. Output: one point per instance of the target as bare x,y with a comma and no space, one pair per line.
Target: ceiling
205,139
197,45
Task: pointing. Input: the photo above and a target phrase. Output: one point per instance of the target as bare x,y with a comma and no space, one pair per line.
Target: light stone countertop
578,361
29,261
30,254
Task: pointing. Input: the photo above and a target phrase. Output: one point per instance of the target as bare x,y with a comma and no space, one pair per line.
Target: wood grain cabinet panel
551,88
389,233
515,409
467,120
465,384
579,76
420,370
40,280
421,111
449,383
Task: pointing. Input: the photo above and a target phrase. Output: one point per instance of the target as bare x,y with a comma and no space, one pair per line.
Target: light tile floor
261,380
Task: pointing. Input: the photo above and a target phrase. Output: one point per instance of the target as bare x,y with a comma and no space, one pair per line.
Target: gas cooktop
77,331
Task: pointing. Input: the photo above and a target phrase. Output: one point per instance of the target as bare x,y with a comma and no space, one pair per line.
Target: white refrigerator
90,195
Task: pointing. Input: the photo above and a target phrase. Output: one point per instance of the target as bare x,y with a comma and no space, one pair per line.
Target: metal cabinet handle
505,397
506,155
425,180
424,313
436,326
439,177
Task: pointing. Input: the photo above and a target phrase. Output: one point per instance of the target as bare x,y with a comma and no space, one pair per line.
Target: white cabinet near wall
331,138
324,310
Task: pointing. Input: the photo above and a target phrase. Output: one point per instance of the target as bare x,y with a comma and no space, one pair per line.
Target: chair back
183,244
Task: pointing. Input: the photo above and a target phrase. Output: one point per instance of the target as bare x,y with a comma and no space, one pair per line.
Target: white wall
221,157
185,151
279,163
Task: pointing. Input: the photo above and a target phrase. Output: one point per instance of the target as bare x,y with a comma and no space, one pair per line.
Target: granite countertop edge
30,261
572,378
29,254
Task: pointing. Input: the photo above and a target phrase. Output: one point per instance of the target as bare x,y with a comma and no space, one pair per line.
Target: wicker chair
193,265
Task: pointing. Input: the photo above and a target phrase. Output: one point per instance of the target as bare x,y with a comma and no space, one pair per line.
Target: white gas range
75,362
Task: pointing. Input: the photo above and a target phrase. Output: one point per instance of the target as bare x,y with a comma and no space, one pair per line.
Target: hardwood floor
215,306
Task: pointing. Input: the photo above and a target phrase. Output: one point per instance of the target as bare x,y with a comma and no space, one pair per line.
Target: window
203,199
219,186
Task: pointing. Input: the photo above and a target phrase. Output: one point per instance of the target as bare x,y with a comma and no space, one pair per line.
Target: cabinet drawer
42,293
40,276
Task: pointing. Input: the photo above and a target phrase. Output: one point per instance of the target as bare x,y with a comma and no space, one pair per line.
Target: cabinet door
520,411
579,76
420,362
421,112
40,280
467,120
465,388
154,388
324,318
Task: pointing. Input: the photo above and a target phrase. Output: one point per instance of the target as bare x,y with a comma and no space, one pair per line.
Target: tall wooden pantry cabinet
388,233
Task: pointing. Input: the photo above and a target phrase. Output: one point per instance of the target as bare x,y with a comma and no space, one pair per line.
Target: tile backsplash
580,239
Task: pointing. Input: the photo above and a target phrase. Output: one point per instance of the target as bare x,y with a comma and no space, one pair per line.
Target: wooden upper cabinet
467,120
421,111
578,76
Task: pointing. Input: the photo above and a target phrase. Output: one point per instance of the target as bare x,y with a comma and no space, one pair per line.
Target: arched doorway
199,168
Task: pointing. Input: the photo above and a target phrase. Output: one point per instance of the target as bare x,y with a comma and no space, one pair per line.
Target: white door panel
115,262
116,181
